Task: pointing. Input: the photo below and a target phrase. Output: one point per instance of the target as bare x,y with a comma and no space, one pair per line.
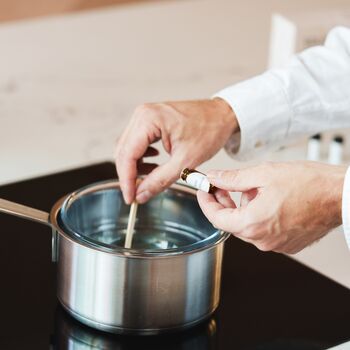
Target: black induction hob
268,301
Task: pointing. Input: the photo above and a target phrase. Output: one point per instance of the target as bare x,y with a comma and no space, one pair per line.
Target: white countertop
345,346
68,84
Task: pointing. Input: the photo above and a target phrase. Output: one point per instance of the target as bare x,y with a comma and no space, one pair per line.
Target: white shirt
311,95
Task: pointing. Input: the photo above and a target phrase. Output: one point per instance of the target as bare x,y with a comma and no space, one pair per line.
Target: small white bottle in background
335,155
314,148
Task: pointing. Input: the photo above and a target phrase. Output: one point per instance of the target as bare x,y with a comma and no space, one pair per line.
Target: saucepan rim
56,220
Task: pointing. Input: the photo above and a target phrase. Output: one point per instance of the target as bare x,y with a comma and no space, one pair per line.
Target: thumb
239,180
229,219
158,180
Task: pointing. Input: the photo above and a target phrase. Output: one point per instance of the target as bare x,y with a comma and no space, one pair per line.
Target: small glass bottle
336,149
197,180
314,148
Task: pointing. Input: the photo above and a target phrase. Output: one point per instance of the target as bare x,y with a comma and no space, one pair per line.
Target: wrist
227,114
336,191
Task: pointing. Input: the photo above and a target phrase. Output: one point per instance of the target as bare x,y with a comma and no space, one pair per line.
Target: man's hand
191,132
284,206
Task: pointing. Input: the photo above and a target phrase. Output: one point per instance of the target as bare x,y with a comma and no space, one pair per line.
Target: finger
227,219
146,168
248,196
132,149
151,152
158,180
224,198
239,233
244,199
238,179
127,174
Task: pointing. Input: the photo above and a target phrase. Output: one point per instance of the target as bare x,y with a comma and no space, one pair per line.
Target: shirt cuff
263,114
346,207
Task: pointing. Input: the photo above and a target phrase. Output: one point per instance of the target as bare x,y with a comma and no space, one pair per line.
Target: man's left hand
284,206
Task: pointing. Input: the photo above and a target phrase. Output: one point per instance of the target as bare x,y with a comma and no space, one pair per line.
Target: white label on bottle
199,181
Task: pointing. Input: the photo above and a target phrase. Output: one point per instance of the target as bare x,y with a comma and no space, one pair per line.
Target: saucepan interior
170,223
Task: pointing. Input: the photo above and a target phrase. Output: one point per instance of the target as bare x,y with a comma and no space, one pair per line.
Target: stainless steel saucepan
168,280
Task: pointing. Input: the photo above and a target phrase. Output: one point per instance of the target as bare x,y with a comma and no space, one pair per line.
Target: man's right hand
191,133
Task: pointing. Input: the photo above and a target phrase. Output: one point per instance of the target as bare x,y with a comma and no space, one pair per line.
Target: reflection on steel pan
72,335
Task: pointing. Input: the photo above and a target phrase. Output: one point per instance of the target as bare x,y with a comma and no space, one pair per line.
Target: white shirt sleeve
309,96
346,207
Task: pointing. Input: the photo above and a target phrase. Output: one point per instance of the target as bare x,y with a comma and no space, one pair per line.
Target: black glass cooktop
268,301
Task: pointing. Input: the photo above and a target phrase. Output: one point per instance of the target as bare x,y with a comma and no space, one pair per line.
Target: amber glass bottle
197,180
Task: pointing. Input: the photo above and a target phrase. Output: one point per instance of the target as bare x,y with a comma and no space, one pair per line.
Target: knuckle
143,110
118,141
249,233
265,246
162,184
155,185
123,159
291,251
231,177
117,149
120,153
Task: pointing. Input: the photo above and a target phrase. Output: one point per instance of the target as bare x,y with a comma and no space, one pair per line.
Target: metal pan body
170,278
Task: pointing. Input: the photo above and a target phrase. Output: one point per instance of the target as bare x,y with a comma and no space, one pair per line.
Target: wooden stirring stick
131,225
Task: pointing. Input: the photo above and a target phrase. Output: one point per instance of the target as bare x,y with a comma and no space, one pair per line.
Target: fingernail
143,197
127,199
140,188
128,196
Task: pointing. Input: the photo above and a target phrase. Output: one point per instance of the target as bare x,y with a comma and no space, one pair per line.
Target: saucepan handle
29,213
24,212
